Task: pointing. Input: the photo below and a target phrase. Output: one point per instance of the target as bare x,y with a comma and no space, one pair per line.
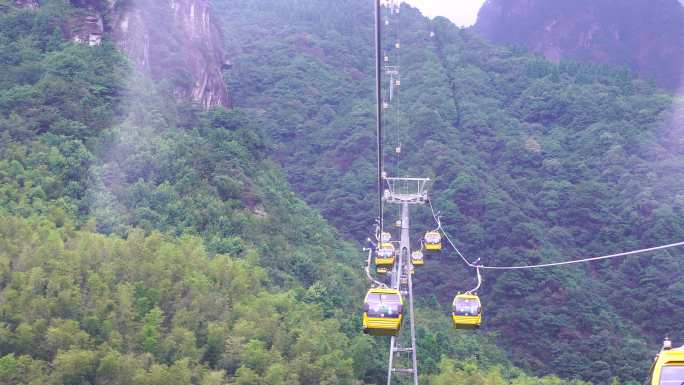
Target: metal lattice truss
406,190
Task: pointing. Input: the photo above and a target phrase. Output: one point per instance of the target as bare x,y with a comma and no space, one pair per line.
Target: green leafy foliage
50,85
151,315
70,312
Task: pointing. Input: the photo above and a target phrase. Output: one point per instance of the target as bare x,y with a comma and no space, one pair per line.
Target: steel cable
550,264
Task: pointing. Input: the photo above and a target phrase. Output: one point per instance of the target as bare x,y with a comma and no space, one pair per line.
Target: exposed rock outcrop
175,40
646,35
87,28
32,4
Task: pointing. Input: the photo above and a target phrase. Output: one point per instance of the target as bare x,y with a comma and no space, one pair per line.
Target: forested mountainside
533,161
643,35
144,240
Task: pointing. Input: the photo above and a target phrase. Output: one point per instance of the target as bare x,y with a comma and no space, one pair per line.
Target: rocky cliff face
32,4
646,35
175,41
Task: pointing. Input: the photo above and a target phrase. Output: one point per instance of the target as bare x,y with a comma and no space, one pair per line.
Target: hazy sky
461,12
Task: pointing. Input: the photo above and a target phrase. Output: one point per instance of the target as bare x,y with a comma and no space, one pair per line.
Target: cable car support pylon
403,355
403,192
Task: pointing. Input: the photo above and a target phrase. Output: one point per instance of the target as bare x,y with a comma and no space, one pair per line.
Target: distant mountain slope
645,35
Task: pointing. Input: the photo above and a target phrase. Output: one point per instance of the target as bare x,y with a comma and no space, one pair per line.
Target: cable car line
378,95
550,264
391,104
583,260
384,305
396,84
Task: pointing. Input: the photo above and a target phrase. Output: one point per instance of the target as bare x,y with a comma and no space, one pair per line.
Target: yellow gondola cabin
466,311
385,254
417,258
383,311
668,367
432,241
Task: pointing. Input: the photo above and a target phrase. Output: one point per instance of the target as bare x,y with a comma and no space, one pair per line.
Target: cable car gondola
385,254
382,270
433,241
383,311
668,367
467,311
417,258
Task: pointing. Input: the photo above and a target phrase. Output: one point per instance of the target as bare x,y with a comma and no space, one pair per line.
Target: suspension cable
439,228
477,266
583,260
397,124
378,94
